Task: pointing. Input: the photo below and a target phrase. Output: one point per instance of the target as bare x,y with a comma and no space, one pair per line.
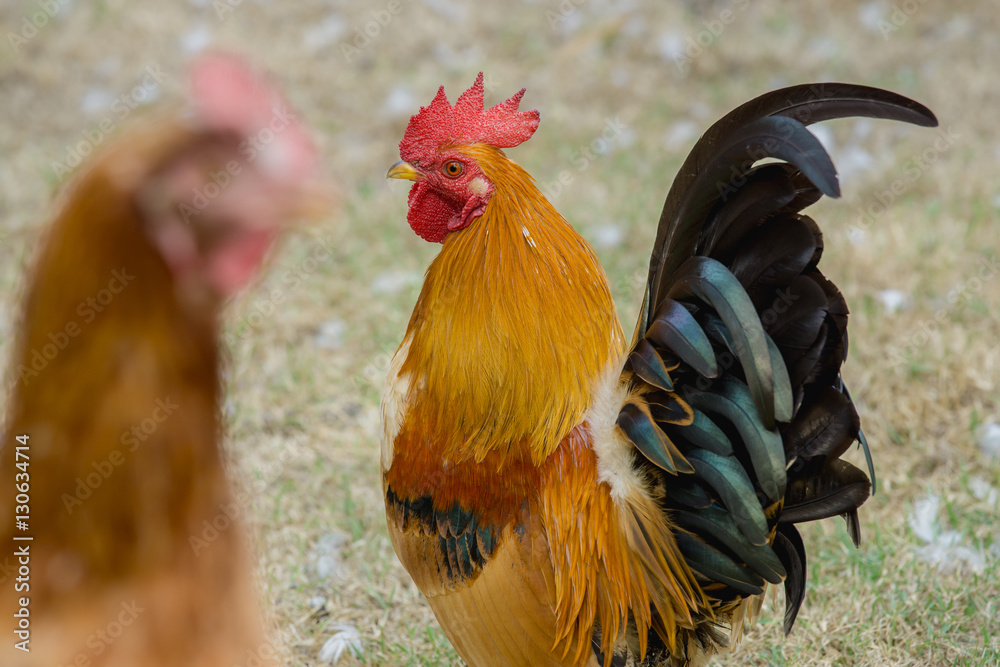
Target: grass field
632,84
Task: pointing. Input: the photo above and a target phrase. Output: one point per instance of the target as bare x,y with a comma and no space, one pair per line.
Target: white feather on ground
989,440
893,300
945,549
345,638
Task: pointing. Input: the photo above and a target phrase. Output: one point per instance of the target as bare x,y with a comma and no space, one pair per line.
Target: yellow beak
404,170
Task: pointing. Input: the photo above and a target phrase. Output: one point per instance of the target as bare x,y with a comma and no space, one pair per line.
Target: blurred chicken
137,555
562,499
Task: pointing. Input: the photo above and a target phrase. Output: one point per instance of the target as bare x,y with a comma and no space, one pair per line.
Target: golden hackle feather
611,558
514,321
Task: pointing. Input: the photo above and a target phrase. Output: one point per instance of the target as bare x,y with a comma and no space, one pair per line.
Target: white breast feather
614,458
394,402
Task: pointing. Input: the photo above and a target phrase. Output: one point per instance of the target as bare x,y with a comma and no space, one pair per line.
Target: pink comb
440,123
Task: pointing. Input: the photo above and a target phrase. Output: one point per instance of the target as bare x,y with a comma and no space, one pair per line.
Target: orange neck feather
514,322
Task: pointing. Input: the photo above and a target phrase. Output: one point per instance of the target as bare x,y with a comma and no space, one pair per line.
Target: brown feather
147,357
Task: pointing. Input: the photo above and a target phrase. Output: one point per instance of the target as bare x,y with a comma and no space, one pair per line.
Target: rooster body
562,499
123,426
497,492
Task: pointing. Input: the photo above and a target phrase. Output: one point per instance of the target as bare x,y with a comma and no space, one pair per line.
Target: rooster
562,498
134,554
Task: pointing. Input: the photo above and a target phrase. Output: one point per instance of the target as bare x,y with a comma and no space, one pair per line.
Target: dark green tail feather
735,298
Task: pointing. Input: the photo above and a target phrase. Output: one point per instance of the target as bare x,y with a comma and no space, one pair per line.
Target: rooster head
450,189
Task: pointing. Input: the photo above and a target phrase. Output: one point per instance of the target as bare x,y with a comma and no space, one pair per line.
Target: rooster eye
453,168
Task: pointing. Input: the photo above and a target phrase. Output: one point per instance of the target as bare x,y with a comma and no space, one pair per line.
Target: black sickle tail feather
743,415
684,217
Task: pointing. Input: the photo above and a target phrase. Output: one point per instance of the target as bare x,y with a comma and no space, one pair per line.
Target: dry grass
303,408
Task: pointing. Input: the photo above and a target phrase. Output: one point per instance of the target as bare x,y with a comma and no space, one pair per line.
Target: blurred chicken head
214,208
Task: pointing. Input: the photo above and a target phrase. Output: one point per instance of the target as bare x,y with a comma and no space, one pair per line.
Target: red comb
439,123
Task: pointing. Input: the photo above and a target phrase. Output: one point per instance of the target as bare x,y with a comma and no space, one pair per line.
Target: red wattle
430,213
